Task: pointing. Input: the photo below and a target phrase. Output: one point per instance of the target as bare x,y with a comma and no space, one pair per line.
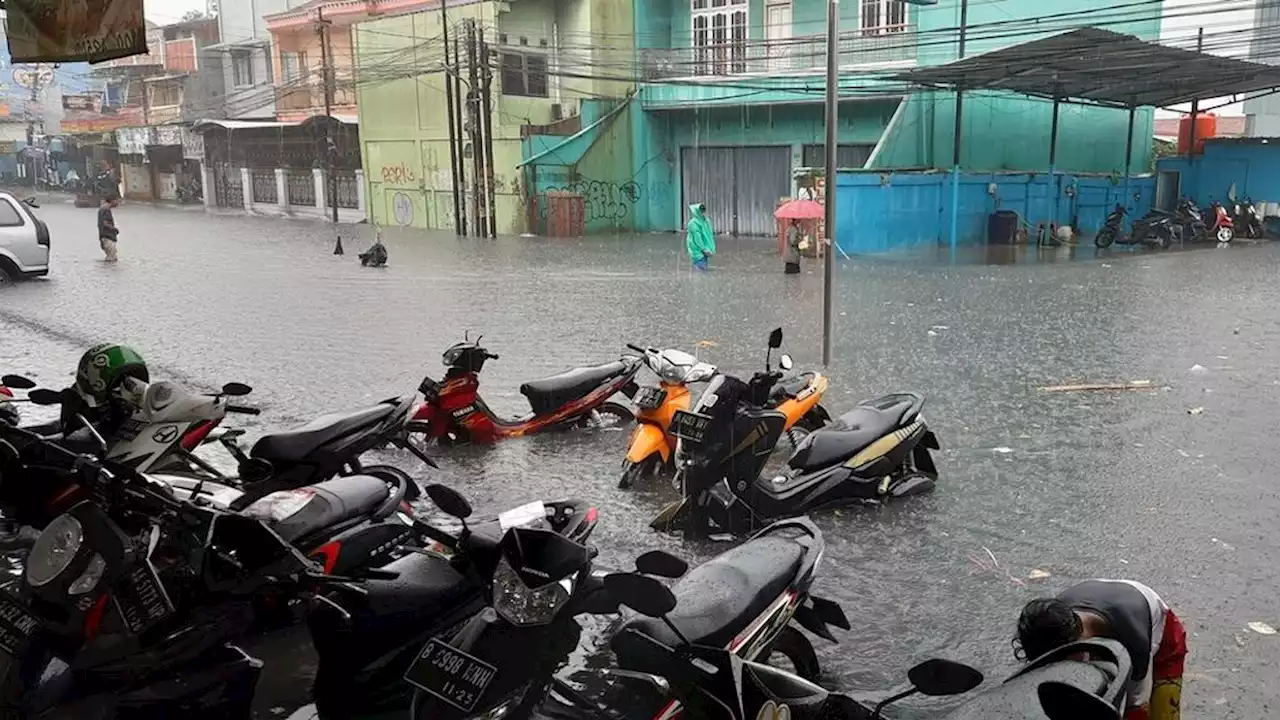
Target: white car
24,240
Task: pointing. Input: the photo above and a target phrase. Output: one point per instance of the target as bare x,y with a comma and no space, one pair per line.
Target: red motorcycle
454,411
1224,226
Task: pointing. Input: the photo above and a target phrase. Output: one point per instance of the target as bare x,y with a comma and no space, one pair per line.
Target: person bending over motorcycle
1125,611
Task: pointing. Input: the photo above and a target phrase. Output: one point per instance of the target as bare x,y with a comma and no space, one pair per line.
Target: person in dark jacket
107,230
1125,611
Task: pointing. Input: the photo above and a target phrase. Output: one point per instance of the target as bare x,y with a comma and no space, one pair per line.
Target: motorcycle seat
718,599
551,393
295,445
855,430
789,388
332,502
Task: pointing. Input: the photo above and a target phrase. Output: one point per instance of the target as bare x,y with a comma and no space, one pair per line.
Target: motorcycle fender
647,440
818,416
805,402
930,441
808,619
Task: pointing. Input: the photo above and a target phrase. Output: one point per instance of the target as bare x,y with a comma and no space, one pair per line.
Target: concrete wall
596,164
406,142
1253,168
877,212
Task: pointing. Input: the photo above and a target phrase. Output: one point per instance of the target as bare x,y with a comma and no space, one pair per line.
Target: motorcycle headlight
54,550
673,373
522,605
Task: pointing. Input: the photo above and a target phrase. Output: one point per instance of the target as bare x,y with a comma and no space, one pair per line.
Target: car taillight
42,233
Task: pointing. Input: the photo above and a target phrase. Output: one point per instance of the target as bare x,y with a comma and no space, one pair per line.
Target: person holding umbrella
794,212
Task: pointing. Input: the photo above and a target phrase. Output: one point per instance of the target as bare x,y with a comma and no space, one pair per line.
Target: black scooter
878,450
1248,219
743,601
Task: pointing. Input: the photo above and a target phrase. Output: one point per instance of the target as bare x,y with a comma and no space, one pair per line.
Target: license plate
690,426
141,598
451,675
650,398
17,624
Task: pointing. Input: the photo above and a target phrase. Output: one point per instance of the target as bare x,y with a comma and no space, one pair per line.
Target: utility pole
460,170
1195,103
473,128
487,126
459,224
330,148
829,196
33,107
955,141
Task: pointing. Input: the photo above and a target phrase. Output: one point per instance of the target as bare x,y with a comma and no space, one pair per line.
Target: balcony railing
769,57
311,96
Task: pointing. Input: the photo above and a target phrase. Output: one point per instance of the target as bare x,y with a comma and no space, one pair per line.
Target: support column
1128,154
317,175
246,188
1054,183
206,182
955,145
282,190
361,193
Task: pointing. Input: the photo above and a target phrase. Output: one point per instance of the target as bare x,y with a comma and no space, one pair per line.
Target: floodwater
1075,485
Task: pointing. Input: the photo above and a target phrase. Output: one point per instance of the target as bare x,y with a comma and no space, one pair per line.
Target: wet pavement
1078,485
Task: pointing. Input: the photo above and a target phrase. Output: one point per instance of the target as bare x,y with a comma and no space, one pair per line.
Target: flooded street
1076,485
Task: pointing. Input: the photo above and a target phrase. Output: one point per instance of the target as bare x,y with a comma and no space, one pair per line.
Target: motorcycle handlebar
637,349
491,356
241,409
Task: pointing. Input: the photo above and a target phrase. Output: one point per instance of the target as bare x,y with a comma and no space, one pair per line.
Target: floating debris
1195,411
1089,387
932,333
1262,628
1002,450
1037,574
1198,368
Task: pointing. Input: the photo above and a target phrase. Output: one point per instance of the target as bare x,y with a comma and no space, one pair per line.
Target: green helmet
102,369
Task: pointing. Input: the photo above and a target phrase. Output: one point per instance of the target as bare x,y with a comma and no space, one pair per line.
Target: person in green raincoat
701,239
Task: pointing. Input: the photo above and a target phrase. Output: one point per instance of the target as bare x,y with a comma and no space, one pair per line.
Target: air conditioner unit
557,111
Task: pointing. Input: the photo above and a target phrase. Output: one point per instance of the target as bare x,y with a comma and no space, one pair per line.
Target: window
524,74
166,93
293,65
882,17
847,156
242,68
9,215
719,36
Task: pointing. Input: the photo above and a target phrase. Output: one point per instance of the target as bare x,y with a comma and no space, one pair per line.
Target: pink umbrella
801,210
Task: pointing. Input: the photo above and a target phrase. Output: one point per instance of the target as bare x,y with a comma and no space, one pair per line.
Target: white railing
760,57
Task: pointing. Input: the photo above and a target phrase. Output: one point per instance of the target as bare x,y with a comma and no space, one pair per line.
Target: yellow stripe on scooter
883,446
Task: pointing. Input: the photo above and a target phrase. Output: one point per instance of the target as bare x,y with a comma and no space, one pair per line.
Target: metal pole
460,172
955,144
32,109
473,128
833,98
486,121
330,149
1128,153
459,225
1195,104
1054,180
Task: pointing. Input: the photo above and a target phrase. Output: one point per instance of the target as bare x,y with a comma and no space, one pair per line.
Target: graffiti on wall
399,174
603,201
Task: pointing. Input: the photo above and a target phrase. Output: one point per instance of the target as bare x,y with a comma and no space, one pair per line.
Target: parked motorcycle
652,445
190,191
503,663
1112,228
1223,229
716,683
878,450
1190,220
184,594
1156,228
453,411
1248,219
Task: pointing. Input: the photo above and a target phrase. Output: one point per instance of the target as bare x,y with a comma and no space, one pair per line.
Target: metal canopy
1101,66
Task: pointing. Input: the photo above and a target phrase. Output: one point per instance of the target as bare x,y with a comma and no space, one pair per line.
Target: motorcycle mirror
45,396
937,677
449,501
235,389
785,362
642,594
775,339
17,382
1061,701
662,564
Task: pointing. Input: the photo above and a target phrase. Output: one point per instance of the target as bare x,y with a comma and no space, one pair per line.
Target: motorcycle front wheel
633,472
1104,238
1225,235
608,415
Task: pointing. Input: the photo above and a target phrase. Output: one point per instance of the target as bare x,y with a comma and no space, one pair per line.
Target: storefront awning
204,125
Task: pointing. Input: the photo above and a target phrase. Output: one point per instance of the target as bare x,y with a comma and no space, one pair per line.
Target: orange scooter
652,445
